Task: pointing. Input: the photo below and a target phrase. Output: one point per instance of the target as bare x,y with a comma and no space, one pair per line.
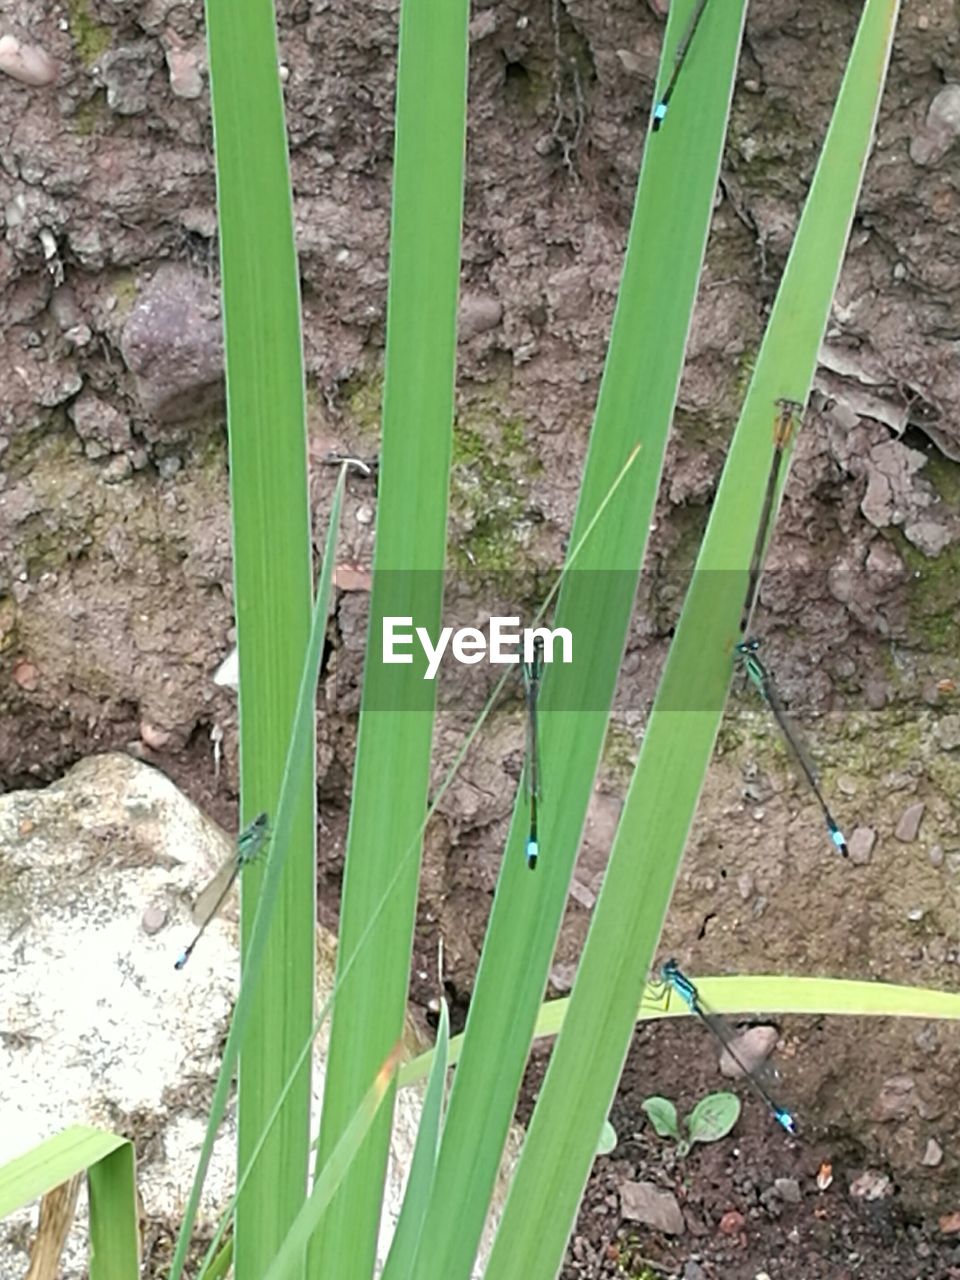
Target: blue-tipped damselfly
683,48
762,681
532,676
718,1026
788,414
249,845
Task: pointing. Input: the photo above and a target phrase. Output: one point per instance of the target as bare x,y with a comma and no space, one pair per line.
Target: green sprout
710,1120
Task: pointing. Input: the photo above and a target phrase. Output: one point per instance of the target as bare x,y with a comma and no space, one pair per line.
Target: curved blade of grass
392,771
296,773
588,1056
636,401
288,1262
108,1161
767,993
406,1237
823,996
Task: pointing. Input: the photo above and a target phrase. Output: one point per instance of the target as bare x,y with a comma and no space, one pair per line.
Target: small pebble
871,1185
26,675
909,825
644,1202
153,919
933,1154
732,1222
936,856
751,1047
27,63
153,736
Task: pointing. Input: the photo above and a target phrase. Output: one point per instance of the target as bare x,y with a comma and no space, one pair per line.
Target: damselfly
249,844
762,681
532,676
788,414
678,982
683,48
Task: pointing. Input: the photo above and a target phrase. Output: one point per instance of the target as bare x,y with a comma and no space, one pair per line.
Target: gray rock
126,73
172,342
896,1100
97,420
908,827
875,695
788,1189
947,733
934,140
645,1202
928,536
861,845
478,313
185,66
935,856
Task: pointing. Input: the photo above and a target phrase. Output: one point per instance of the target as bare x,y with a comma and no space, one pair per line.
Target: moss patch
492,463
89,114
363,399
933,594
91,38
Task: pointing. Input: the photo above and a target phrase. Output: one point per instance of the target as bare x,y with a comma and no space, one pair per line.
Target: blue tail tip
659,115
836,835
533,852
786,1121
181,960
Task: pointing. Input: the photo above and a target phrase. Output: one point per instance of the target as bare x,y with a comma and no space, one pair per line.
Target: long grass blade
288,1262
299,757
392,772
636,402
406,1237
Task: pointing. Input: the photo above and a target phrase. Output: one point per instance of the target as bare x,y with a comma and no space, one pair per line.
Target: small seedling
710,1120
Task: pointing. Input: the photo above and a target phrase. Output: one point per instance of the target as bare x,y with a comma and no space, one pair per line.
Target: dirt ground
115,586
